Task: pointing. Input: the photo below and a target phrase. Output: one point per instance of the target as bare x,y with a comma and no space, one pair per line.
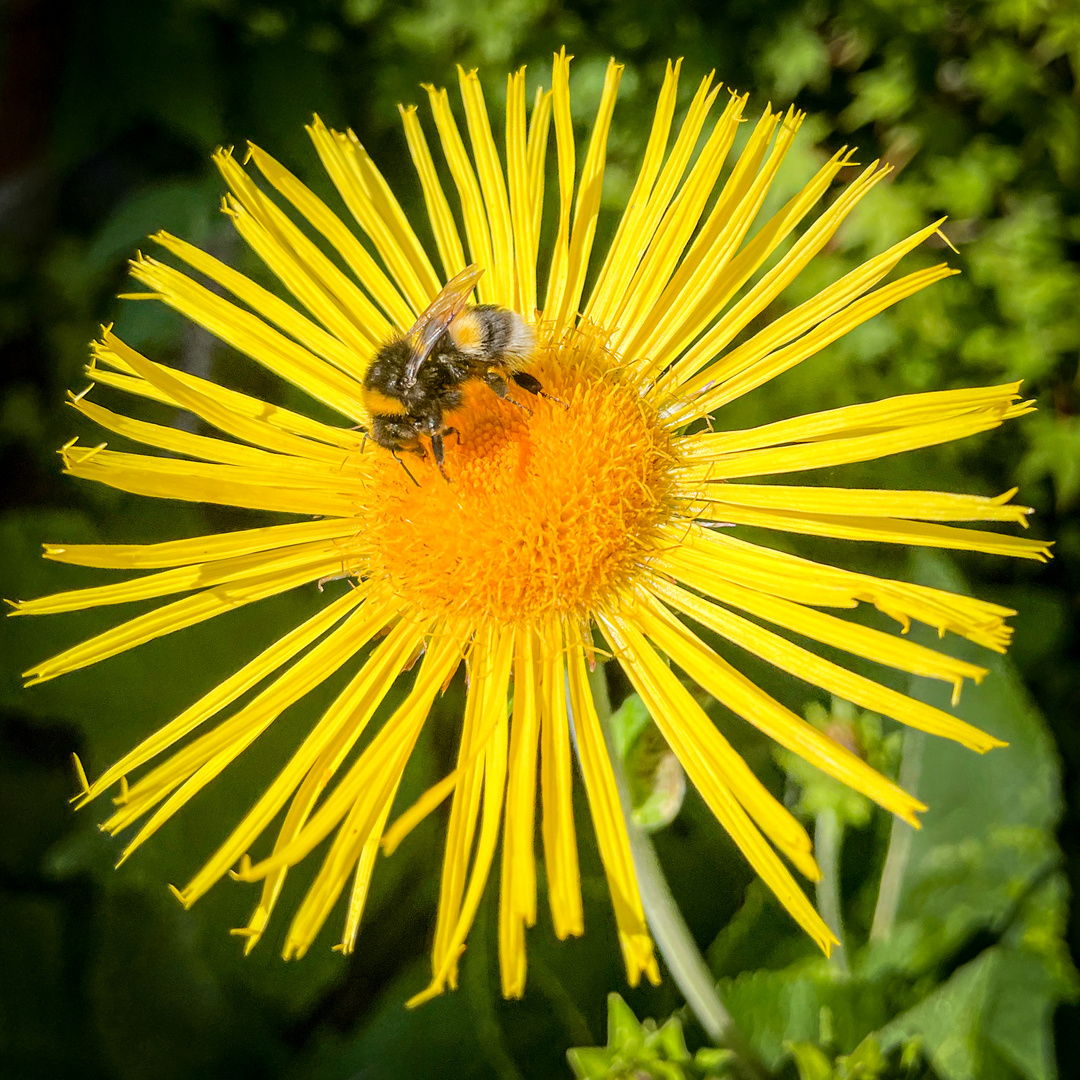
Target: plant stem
673,939
900,837
828,840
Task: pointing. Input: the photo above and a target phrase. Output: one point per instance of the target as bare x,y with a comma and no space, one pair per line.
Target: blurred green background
109,111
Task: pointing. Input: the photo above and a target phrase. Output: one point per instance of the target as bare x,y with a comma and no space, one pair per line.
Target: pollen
549,505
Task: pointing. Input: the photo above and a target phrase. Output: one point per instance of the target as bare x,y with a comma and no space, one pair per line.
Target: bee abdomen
492,333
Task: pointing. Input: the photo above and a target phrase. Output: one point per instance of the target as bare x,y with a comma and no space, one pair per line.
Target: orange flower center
551,504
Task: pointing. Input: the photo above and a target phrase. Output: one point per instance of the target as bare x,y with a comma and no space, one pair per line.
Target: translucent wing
437,316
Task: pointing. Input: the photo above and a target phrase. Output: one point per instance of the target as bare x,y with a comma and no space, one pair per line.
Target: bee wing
437,316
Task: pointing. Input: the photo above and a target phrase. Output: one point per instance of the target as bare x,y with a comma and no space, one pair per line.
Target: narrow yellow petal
492,186
201,761
587,207
299,263
829,676
354,321
644,668
182,579
376,210
828,453
557,822
712,753
880,530
196,481
682,217
860,502
429,801
220,415
178,441
359,834
517,887
521,208
536,158
888,417
485,715
616,262
447,238
362,883
328,743
366,269
253,337
253,408
745,699
176,616
689,554
704,292
721,553
896,652
608,821
391,746
714,247
361,798
272,308
473,212
760,359
564,146
613,290
199,549
210,704
445,961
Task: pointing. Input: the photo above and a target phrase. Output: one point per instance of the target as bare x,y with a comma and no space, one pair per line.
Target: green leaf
656,779
637,1049
811,1061
988,833
996,1008
806,1002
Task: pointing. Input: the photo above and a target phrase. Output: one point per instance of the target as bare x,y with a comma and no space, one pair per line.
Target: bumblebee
416,380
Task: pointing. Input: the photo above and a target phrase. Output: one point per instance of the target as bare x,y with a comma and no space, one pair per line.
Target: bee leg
405,467
532,385
438,450
498,384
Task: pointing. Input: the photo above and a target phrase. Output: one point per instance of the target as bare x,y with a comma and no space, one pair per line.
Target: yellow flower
588,512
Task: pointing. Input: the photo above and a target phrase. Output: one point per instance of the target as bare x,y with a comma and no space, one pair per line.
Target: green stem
673,939
900,838
828,840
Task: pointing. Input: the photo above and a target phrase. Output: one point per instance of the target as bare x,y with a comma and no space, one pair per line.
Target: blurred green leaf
656,779
805,1002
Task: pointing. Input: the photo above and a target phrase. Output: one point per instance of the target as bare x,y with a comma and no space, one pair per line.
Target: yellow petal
565,308
328,743
608,821
199,549
881,530
665,702
176,616
447,238
557,824
715,247
517,887
473,211
210,704
739,694
897,652
829,676
619,262
492,186
248,406
558,270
